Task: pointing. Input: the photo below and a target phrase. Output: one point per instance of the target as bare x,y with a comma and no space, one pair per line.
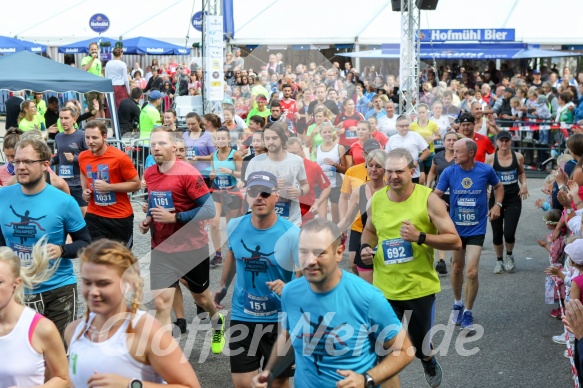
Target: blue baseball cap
155,95
263,179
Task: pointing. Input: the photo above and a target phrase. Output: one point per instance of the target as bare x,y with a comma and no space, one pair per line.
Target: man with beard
288,168
34,209
108,175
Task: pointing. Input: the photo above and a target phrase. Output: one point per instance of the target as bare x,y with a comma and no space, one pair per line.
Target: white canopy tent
280,22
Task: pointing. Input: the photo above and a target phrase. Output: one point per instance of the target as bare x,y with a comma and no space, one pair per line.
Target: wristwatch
177,218
569,211
368,381
422,237
499,204
136,383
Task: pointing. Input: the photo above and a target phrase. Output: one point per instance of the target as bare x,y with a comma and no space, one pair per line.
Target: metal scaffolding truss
410,47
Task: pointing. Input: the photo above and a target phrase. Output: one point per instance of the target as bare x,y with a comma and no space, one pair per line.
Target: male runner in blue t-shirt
32,209
331,342
468,183
263,248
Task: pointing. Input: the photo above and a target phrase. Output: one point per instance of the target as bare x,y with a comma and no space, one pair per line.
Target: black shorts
473,240
422,312
192,266
246,353
116,229
230,199
354,246
58,305
77,193
334,196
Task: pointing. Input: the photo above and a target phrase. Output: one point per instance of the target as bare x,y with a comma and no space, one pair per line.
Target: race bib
508,177
225,181
24,253
438,143
260,306
65,171
282,208
163,199
103,198
191,152
465,213
397,251
350,134
330,173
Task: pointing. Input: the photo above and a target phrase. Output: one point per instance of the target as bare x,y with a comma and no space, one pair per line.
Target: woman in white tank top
28,341
115,344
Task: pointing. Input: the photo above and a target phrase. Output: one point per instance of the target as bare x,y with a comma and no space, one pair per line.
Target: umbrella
12,45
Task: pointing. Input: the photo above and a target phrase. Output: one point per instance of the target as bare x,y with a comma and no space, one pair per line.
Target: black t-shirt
129,113
328,103
51,118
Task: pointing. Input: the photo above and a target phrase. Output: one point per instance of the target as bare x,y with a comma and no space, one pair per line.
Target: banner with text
213,52
469,34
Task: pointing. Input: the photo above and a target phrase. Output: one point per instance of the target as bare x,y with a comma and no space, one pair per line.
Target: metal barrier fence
539,157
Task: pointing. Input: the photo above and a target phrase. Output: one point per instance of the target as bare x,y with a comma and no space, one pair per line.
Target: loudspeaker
396,4
426,4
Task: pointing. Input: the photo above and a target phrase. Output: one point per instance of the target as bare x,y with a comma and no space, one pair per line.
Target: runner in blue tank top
332,343
468,183
263,250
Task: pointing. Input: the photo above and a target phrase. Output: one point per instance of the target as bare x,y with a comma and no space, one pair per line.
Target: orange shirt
113,167
355,176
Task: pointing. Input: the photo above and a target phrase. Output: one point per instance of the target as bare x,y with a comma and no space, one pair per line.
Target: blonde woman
32,346
117,345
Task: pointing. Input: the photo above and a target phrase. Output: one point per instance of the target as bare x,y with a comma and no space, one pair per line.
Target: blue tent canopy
465,51
12,45
27,71
83,46
139,45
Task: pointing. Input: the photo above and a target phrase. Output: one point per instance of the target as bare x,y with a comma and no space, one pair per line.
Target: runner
179,203
225,169
407,222
468,182
442,160
32,345
116,344
314,304
346,123
33,209
200,146
288,168
313,137
69,144
317,197
430,132
509,167
412,142
333,160
108,175
484,144
358,205
442,122
355,177
263,248
355,154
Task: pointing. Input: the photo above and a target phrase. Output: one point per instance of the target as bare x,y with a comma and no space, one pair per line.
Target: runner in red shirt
375,134
346,123
316,177
485,146
289,108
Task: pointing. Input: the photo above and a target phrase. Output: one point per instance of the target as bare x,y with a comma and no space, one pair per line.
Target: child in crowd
571,277
555,249
546,203
542,112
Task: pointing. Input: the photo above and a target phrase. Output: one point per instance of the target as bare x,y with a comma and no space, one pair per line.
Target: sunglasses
253,192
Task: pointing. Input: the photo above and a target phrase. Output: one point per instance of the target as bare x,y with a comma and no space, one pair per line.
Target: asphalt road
515,349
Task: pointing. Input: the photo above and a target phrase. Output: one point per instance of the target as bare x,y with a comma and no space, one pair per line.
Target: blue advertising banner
468,34
99,23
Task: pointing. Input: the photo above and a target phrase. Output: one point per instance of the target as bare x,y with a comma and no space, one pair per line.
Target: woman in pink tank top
34,342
